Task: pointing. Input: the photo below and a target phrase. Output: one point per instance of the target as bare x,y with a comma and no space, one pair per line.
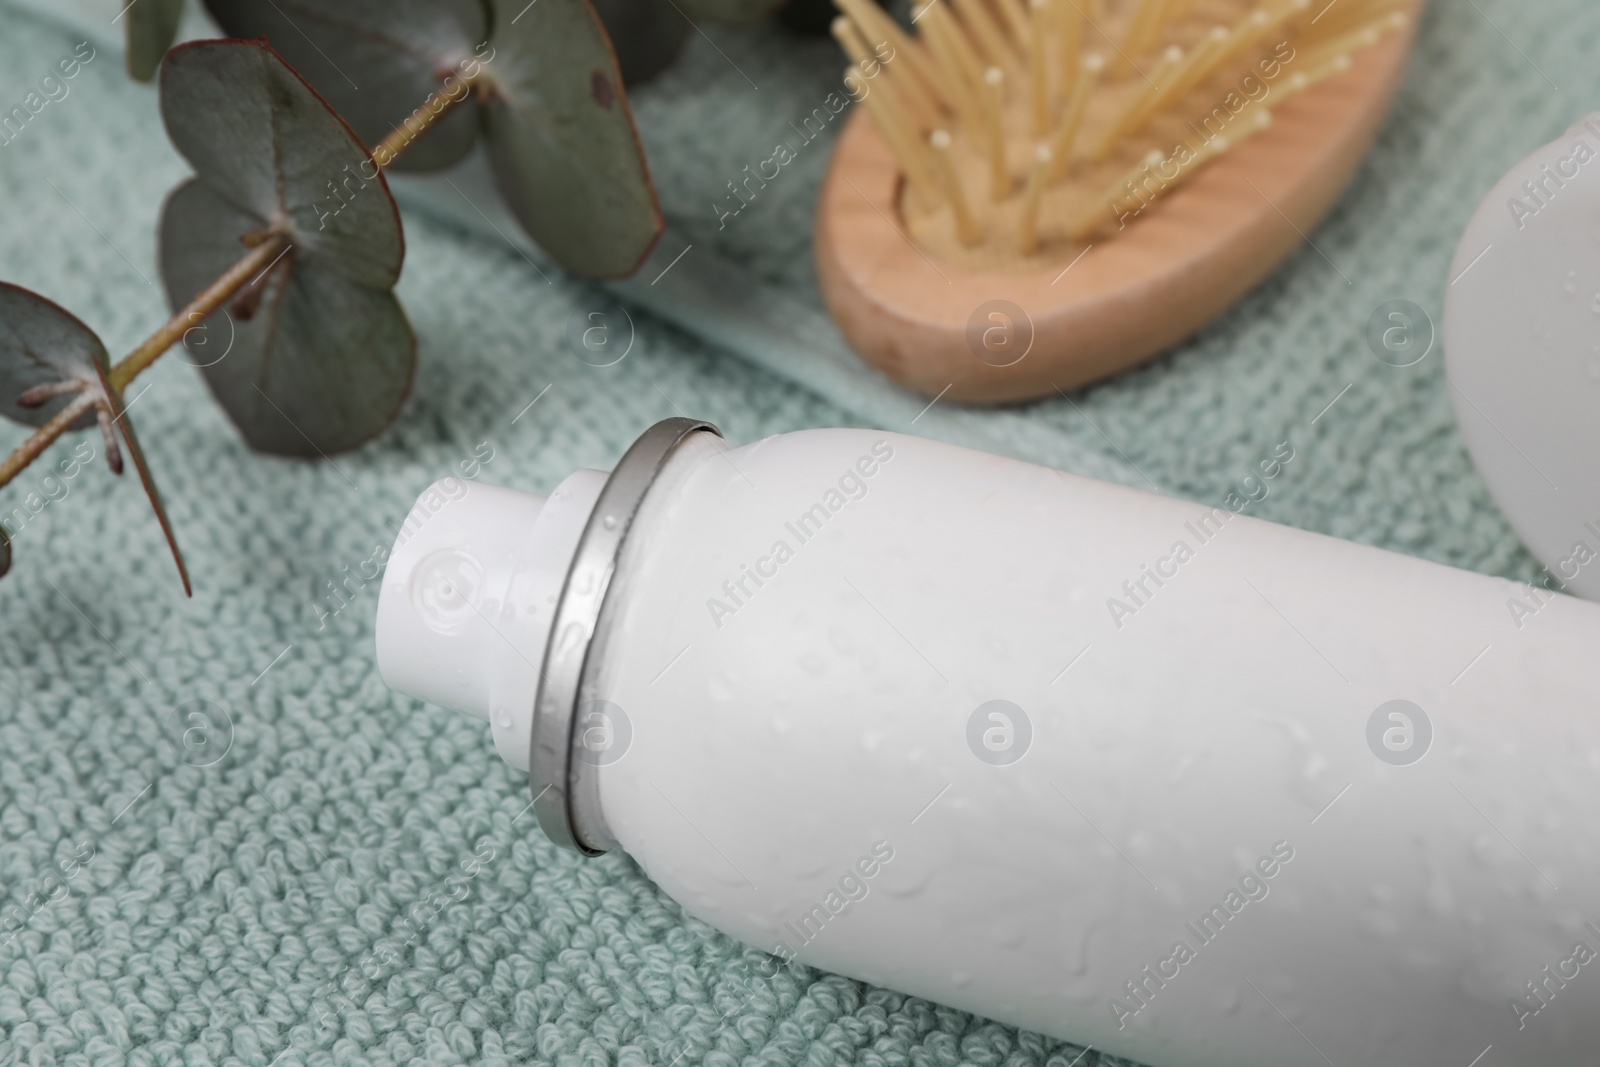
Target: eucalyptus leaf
119,415
317,354
150,28
647,35
42,345
560,137
311,362
561,141
5,552
376,61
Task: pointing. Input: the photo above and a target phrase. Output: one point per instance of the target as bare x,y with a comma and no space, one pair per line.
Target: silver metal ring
565,673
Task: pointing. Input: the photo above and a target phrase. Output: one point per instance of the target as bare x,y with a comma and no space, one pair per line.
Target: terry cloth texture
301,897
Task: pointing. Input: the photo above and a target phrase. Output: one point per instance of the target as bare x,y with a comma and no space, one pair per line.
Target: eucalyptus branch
273,246
344,327
437,106
136,362
248,269
265,254
40,439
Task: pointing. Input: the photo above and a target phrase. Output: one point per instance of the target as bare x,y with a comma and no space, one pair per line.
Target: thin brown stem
436,107
40,439
196,311
214,296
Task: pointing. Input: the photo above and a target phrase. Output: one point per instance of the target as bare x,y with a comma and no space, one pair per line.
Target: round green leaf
319,356
263,140
42,344
376,61
647,35
561,139
150,28
311,363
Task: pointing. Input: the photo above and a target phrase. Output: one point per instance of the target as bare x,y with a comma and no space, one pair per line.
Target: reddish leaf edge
633,127
103,354
615,72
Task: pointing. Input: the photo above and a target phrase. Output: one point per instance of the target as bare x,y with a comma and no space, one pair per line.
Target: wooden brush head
1113,205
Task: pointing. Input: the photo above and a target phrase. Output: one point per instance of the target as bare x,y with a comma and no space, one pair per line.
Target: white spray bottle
1182,785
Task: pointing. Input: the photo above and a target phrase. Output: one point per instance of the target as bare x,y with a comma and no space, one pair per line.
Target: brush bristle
1008,117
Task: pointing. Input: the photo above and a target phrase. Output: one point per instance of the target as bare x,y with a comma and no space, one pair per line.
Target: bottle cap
1521,336
444,587
478,580
469,593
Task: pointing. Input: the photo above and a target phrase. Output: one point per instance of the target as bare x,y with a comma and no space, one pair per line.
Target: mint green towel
352,877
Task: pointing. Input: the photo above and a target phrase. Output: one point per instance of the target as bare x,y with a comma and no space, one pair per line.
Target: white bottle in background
1182,785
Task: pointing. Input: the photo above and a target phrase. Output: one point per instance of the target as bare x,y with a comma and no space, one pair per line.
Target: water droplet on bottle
908,885
610,521
1009,933
573,637
444,588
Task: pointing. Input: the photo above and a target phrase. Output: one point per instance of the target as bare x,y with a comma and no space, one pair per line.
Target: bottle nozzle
445,587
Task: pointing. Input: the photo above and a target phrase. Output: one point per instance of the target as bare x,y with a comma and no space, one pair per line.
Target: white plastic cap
444,585
469,594
1521,334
